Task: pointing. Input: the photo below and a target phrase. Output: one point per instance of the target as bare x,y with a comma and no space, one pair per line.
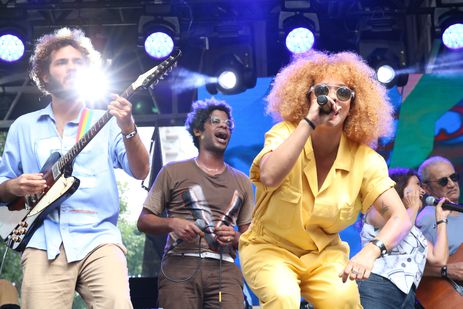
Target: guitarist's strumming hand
26,184
455,271
121,108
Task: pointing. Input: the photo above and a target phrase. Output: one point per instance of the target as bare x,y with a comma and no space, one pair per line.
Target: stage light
230,67
452,37
299,30
11,48
449,26
300,40
159,45
385,74
227,80
158,35
389,68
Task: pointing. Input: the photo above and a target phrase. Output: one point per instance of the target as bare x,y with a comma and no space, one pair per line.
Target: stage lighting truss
299,30
231,67
158,35
449,26
12,44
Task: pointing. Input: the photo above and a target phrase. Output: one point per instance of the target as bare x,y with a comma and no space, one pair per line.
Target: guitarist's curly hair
45,45
200,113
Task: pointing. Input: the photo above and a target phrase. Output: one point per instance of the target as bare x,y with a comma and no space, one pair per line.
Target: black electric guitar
21,218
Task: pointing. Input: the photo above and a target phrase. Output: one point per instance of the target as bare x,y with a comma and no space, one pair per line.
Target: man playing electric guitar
440,180
78,246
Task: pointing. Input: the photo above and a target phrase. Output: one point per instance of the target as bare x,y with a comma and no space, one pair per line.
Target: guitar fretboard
89,135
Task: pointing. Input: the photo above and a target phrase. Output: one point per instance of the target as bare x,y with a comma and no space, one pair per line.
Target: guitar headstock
158,72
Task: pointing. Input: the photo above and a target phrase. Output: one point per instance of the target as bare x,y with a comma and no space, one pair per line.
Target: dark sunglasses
445,180
343,93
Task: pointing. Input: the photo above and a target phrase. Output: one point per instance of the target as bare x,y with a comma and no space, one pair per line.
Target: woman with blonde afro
316,172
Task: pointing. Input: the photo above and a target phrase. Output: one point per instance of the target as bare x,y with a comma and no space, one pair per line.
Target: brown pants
101,278
202,290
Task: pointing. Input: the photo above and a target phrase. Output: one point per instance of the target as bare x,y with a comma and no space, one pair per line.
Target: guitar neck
89,135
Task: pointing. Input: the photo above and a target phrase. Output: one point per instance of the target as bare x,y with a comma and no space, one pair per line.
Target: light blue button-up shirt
87,218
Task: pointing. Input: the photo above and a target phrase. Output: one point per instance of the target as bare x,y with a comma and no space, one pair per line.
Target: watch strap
382,247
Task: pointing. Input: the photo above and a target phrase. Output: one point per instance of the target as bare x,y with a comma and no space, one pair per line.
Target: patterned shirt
404,265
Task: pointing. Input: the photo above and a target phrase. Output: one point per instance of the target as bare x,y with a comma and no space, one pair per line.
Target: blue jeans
379,293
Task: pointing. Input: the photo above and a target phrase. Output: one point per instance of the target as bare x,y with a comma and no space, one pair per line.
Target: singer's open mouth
221,136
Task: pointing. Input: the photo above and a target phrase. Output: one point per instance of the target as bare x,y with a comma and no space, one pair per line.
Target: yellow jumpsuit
292,247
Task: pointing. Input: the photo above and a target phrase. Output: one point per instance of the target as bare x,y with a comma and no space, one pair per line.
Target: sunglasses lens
321,90
443,181
344,93
455,177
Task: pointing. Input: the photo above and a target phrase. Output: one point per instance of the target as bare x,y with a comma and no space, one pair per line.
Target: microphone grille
322,99
429,200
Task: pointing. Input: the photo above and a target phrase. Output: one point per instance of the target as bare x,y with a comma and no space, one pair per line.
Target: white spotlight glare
385,74
227,80
92,84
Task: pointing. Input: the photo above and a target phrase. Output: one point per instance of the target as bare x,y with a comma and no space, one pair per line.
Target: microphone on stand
430,200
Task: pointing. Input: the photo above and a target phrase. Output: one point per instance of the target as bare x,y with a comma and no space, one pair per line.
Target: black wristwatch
382,247
443,272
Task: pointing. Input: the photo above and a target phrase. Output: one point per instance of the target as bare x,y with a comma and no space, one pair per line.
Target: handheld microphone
232,210
325,103
430,200
194,200
199,223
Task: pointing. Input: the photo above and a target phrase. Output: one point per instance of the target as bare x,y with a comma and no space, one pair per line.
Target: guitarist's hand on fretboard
121,108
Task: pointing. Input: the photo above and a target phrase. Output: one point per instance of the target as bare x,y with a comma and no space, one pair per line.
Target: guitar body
23,216
435,292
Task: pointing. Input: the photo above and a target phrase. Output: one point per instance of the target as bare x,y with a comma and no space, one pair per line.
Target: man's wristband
441,221
311,124
443,272
131,134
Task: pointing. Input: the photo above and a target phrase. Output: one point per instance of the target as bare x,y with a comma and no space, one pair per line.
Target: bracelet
131,134
441,221
311,124
443,272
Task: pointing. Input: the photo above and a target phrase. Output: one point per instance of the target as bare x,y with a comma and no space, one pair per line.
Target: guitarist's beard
62,92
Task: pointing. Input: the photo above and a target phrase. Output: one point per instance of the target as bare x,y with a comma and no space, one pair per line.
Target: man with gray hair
439,179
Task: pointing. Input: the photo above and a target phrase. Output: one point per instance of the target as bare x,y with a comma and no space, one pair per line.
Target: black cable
188,278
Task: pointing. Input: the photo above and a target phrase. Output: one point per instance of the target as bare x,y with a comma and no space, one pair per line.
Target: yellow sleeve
273,138
375,179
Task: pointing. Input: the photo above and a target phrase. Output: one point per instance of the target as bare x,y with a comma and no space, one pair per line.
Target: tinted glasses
215,121
445,180
343,93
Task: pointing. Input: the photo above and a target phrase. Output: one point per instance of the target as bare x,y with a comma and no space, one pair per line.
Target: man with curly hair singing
313,176
78,246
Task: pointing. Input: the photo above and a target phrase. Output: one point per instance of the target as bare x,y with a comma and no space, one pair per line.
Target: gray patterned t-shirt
404,264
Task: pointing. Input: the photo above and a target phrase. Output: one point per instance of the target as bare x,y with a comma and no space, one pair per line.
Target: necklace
210,170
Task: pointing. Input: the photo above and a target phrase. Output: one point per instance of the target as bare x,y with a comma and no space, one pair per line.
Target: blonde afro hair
370,115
